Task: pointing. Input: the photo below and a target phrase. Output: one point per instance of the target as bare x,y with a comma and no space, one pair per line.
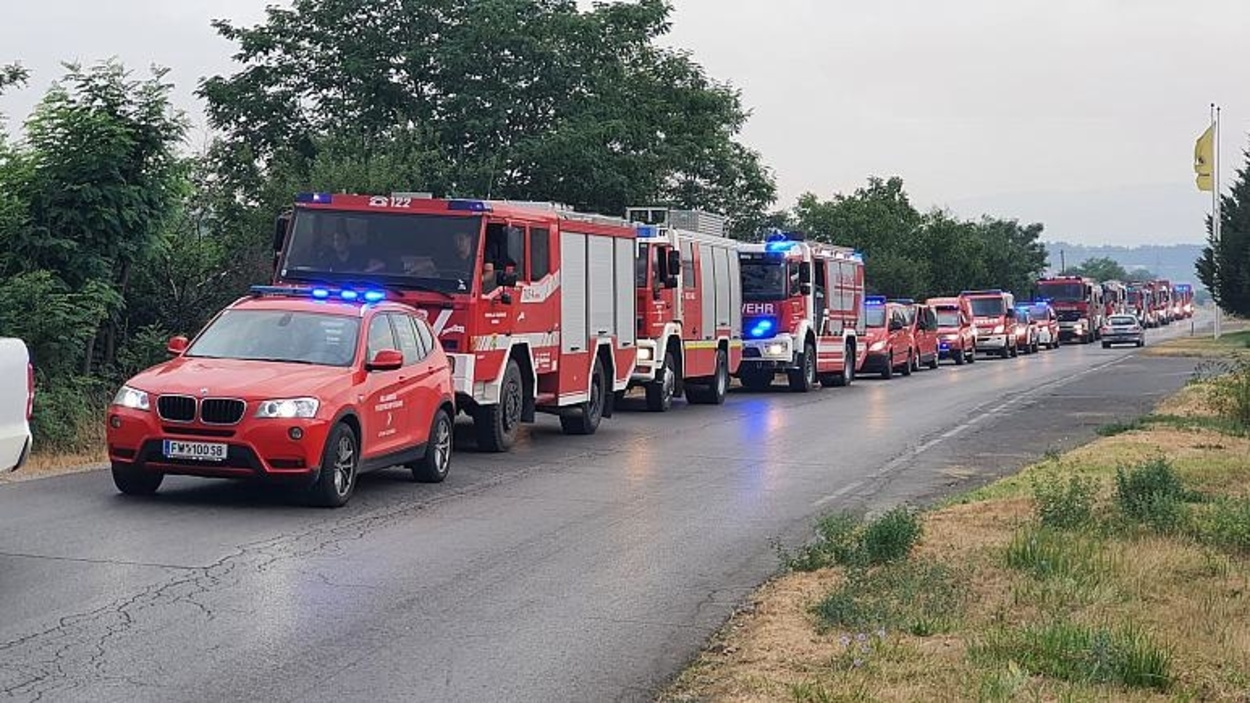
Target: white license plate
197,451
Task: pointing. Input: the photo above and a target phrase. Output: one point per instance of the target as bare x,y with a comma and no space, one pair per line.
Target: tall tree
1225,264
1101,268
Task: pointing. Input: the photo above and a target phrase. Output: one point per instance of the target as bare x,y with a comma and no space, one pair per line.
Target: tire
933,363
1141,343
133,480
713,393
1106,345
888,372
340,461
661,391
1006,352
959,358
910,364
803,380
585,421
1036,347
972,355
496,425
433,467
847,377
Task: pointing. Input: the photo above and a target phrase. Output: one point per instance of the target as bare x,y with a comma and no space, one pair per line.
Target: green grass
1225,524
844,540
1064,505
1221,425
1153,494
1119,428
917,596
1071,652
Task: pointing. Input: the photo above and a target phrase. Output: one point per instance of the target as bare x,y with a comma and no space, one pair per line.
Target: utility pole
1063,264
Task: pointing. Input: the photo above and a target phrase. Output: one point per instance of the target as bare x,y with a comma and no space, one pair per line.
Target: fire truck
689,301
1141,301
534,303
1163,301
1078,303
994,314
802,312
1114,298
1184,303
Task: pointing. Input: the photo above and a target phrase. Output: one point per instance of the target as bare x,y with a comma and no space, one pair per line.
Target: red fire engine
533,302
802,313
1078,303
1184,303
1163,301
1114,298
1141,302
689,307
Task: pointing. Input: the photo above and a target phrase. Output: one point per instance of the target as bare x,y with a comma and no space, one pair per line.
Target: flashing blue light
779,246
874,300
762,328
320,293
374,296
318,198
648,231
857,256
468,206
348,294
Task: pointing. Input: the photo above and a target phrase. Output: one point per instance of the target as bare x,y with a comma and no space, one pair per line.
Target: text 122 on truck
533,302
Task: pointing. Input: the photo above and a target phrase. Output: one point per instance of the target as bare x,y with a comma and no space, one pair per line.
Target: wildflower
846,641
861,637
881,634
857,663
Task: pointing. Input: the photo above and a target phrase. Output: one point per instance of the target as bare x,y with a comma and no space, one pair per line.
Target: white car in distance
17,396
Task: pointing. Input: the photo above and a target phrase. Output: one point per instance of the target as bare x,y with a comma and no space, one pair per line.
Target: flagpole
1215,203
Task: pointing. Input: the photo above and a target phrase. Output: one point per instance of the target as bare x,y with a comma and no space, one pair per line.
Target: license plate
196,451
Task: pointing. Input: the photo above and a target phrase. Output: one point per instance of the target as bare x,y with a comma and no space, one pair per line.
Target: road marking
838,493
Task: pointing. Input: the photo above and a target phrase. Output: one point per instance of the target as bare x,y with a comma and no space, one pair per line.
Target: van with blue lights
689,306
307,386
957,335
802,312
533,302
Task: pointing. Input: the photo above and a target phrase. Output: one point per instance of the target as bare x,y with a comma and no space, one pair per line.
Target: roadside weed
1153,494
1078,653
918,596
844,540
1063,505
1118,428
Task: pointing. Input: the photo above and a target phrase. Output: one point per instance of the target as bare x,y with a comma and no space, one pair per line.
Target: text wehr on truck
802,312
533,302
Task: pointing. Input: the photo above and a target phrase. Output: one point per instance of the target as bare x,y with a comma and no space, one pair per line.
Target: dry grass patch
1119,600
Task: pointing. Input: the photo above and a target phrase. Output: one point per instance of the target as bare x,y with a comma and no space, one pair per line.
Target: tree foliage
935,253
1100,268
521,99
1225,264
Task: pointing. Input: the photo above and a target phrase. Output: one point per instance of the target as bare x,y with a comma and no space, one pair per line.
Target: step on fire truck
1078,303
689,306
802,313
533,302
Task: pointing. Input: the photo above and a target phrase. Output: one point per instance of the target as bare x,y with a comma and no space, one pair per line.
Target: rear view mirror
177,345
805,288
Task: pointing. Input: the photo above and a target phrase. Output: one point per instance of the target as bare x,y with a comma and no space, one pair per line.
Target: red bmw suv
309,385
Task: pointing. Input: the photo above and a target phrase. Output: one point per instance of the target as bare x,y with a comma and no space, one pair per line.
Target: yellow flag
1204,158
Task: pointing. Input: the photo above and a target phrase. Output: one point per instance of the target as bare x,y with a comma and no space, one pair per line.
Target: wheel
803,380
433,467
847,376
910,364
496,425
337,478
1106,345
136,481
1141,343
933,363
660,392
1006,352
888,372
585,421
715,392
1036,347
972,355
959,357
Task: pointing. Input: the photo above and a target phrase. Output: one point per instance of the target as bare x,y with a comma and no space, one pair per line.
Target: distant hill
1173,262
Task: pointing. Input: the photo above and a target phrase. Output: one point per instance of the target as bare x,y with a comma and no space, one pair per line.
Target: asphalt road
573,569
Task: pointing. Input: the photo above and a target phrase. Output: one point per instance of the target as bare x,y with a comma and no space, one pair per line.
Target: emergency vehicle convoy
802,312
534,303
689,298
1078,303
1114,298
994,313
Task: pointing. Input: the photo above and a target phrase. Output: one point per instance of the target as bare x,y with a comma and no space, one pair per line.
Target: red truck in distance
533,302
1184,303
1163,302
957,336
994,315
1115,298
802,312
689,293
1141,303
1078,303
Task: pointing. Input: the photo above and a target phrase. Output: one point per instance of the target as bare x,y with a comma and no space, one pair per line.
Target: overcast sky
1081,114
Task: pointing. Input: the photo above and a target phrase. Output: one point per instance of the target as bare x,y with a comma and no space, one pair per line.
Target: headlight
1000,329
950,338
288,408
132,398
877,346
644,354
775,349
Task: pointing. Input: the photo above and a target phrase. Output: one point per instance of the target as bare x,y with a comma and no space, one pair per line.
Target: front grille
221,411
751,353
176,408
1069,315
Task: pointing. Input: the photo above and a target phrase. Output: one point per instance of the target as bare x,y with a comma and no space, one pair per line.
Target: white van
17,395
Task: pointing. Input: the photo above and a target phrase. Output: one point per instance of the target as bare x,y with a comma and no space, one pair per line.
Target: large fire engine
1114,298
1141,301
689,306
1163,301
802,312
1183,305
994,314
534,303
1078,303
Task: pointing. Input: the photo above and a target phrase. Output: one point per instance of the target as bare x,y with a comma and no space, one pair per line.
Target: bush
1046,553
1064,506
68,414
1230,394
1081,654
1227,525
920,597
845,540
1153,494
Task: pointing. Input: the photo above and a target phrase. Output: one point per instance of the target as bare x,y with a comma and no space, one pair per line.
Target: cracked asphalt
573,569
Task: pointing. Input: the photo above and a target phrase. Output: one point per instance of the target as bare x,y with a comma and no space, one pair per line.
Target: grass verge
1117,571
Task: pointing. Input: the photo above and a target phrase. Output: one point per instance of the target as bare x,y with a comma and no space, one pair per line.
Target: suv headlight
288,408
132,398
999,329
877,346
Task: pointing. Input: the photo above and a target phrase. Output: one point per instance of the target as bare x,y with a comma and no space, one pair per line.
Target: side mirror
895,325
279,232
386,360
674,263
670,282
507,279
805,272
1011,314
805,288
177,345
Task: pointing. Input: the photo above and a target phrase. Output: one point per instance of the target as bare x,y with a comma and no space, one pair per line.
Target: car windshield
875,316
280,336
1067,292
948,317
1123,320
432,251
763,280
988,307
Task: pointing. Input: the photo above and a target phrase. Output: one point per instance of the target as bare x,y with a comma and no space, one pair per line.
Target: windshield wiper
275,360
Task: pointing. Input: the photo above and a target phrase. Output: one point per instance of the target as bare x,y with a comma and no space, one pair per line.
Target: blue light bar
468,206
374,296
779,246
648,231
874,300
318,198
348,294
762,328
320,293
